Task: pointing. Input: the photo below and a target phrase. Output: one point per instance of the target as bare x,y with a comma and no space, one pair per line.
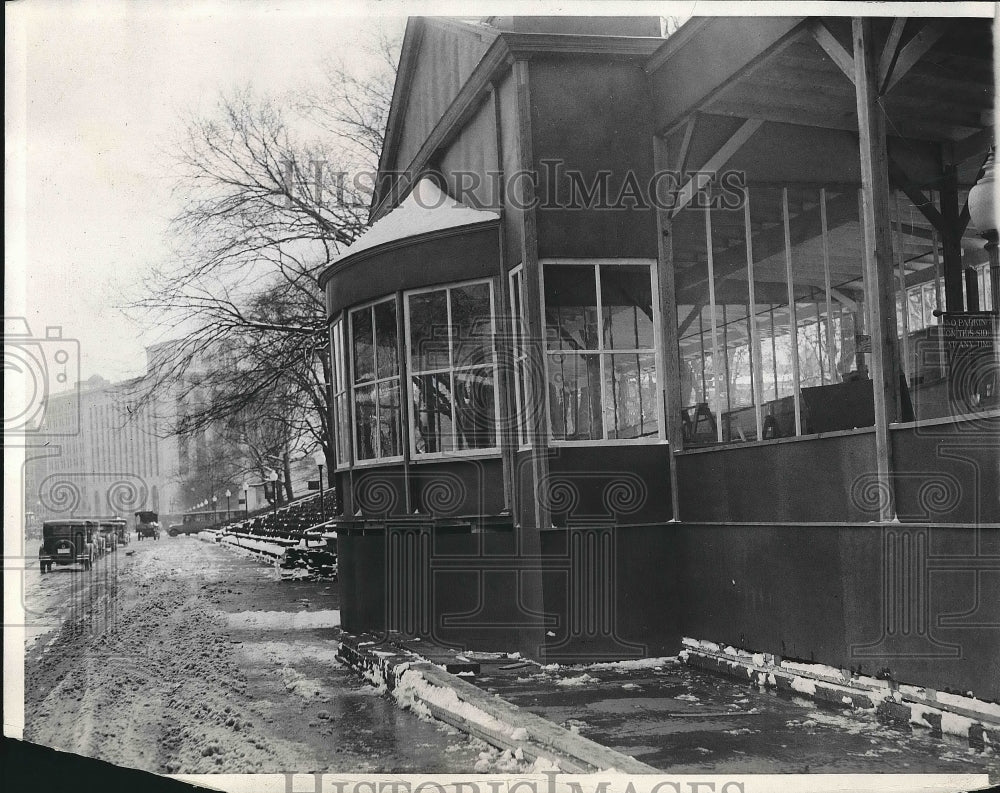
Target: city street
185,657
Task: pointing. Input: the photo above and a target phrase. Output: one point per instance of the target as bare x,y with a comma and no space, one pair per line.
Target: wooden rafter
704,174
890,52
978,143
840,56
691,317
685,148
914,50
898,176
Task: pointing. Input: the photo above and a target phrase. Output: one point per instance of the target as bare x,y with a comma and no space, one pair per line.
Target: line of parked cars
80,541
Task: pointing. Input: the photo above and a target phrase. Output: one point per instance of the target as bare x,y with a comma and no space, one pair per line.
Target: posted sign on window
970,343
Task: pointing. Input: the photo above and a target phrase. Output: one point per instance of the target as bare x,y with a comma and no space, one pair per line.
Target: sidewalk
674,717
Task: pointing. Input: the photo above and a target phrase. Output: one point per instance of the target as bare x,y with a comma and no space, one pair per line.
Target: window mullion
600,349
376,444
451,371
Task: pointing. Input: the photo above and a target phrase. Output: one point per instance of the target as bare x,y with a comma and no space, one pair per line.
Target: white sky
101,89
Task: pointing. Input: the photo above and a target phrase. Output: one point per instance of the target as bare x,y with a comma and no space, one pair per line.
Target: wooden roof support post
880,293
535,331
951,240
670,352
506,357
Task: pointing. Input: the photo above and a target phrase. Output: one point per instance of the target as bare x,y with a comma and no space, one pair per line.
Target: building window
519,329
375,378
453,369
341,397
601,352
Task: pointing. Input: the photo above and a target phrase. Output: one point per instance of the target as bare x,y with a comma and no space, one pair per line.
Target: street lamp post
228,513
982,212
273,477
246,498
320,459
214,510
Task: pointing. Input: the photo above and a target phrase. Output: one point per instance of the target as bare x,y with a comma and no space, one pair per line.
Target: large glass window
341,397
600,352
375,389
771,321
452,369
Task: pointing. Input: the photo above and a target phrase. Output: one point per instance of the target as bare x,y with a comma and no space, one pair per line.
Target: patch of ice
299,684
812,669
804,685
953,724
688,697
543,765
701,644
413,690
969,703
634,663
576,681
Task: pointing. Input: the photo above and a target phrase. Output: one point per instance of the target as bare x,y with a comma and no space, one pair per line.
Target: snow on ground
285,652
285,620
636,663
412,690
577,681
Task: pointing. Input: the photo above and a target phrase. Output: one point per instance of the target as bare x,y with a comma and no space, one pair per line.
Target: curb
904,706
428,689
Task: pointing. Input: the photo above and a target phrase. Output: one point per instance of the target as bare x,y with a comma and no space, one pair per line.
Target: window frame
340,388
515,284
657,352
356,461
420,457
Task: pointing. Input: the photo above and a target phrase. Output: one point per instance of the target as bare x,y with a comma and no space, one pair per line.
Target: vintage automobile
109,534
66,542
147,525
190,523
122,536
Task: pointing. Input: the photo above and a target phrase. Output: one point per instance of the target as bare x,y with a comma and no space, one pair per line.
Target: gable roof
473,35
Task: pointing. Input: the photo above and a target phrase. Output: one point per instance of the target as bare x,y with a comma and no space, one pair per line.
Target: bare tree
264,211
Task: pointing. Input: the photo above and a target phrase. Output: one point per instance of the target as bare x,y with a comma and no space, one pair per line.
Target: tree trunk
286,463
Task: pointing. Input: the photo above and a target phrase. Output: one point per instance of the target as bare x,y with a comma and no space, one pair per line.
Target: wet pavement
184,657
683,720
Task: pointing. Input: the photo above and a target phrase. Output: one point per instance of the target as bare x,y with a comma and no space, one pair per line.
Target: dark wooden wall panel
589,116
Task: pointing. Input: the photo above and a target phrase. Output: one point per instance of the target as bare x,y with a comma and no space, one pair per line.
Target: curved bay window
375,388
452,367
600,358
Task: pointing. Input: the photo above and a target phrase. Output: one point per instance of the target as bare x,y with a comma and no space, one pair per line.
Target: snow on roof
424,210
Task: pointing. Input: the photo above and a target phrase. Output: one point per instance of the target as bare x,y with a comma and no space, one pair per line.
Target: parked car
147,525
109,535
122,535
66,542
